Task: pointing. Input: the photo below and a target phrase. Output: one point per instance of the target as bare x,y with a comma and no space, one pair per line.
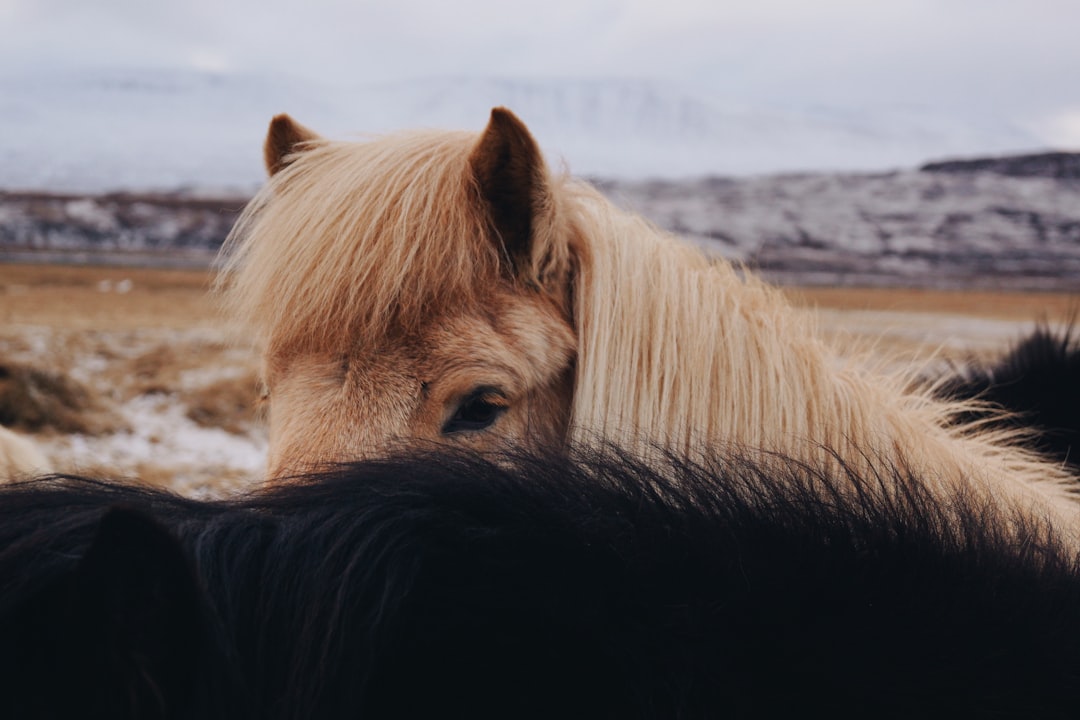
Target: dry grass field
128,373
131,373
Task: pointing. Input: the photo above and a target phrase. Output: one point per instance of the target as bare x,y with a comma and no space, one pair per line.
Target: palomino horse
448,286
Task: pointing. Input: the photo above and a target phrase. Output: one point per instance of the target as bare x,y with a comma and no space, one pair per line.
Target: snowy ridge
911,228
916,228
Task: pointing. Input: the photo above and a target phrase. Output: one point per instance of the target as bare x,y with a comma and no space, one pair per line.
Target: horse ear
125,632
510,173
284,140
142,610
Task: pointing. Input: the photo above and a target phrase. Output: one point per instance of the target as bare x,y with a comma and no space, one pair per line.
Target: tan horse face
470,380
489,368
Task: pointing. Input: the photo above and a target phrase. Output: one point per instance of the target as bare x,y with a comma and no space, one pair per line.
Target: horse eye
477,411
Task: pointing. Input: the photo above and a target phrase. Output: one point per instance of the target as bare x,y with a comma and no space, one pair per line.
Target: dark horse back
535,587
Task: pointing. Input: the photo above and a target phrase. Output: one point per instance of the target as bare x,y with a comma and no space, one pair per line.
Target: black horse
1038,381
537,587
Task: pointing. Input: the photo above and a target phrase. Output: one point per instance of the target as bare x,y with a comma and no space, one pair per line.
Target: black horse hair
1038,382
550,585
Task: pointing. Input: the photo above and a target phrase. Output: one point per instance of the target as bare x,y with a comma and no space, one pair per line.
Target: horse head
412,288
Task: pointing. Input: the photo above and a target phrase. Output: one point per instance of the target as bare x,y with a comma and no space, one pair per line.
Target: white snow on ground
145,379
203,461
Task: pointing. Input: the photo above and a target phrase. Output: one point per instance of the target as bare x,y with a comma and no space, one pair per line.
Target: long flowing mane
685,350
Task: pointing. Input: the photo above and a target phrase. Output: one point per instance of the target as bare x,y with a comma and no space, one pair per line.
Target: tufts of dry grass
232,404
35,400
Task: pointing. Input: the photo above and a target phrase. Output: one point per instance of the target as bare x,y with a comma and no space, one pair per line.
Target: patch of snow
162,435
89,212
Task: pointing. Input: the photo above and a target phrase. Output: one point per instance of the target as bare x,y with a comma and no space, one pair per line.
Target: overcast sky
1009,59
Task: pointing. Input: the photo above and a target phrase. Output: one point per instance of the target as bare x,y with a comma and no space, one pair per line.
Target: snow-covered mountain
140,130
986,223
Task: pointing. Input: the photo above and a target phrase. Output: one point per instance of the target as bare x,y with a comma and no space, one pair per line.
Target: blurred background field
128,373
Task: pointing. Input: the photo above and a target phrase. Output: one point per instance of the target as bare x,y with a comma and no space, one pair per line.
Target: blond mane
684,351
357,240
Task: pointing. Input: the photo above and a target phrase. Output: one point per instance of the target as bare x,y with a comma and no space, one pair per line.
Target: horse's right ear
284,140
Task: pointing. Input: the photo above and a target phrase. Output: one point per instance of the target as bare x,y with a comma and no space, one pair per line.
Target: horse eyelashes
478,411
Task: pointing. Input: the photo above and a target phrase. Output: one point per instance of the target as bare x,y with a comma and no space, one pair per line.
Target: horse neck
683,352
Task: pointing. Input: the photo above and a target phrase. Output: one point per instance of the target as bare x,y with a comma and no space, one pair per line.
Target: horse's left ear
125,633
284,140
510,173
